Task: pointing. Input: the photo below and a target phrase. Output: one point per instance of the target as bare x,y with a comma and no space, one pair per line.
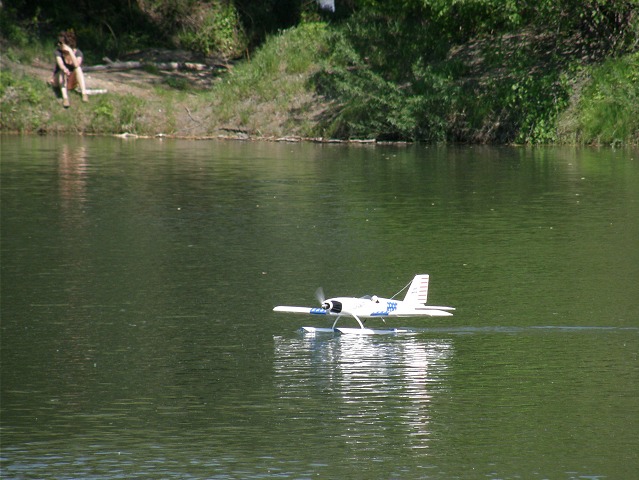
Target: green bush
608,111
385,79
213,29
103,115
22,100
273,83
17,89
365,104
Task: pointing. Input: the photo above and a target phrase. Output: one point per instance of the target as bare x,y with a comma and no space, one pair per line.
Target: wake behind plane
413,305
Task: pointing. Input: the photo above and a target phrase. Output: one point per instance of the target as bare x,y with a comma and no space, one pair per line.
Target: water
138,338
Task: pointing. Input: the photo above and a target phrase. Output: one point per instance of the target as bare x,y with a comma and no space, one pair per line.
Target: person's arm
60,62
78,58
75,60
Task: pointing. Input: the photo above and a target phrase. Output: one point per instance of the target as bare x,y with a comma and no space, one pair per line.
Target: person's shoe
85,98
65,103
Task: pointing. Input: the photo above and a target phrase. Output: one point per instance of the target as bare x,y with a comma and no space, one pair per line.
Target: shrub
273,83
22,99
385,79
213,29
608,111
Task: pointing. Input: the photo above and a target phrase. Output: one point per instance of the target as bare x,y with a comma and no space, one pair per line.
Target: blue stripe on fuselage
318,311
390,307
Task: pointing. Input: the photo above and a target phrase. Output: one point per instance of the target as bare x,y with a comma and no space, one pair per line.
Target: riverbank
305,84
263,97
136,102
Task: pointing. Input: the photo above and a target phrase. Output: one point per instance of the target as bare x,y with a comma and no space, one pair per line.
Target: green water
138,337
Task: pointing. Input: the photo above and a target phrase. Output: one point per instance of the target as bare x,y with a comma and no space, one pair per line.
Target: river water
139,341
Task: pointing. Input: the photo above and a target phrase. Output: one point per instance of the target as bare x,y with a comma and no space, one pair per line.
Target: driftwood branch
110,65
191,116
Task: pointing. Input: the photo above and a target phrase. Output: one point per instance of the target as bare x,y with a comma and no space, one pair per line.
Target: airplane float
414,304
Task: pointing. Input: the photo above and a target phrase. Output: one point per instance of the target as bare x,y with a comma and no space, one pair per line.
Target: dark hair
68,37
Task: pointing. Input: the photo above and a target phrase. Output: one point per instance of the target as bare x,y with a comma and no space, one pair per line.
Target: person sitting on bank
68,67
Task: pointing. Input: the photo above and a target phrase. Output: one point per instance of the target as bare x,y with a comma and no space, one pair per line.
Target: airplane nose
332,306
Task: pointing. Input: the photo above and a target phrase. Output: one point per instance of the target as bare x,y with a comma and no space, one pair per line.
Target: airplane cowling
333,306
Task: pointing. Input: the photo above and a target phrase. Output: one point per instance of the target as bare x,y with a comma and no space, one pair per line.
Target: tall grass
24,104
273,83
608,111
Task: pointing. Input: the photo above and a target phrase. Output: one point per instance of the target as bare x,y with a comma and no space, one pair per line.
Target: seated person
68,71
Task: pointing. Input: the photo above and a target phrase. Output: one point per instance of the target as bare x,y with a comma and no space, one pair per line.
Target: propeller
330,305
319,294
321,298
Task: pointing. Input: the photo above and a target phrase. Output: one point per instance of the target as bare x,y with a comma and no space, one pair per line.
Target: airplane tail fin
418,290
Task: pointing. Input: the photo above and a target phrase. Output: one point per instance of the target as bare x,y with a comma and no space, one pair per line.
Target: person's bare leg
79,75
62,83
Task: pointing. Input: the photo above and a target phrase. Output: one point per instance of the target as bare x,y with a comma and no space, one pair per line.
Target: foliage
437,70
482,71
223,28
273,83
102,27
512,91
398,96
365,103
104,110
13,33
209,28
613,24
21,100
607,111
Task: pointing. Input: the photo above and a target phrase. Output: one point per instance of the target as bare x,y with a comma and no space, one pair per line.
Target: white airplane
414,304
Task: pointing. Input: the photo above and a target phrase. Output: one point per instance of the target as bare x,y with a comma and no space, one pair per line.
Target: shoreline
149,104
316,140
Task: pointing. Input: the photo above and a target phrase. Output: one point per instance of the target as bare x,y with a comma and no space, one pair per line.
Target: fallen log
172,66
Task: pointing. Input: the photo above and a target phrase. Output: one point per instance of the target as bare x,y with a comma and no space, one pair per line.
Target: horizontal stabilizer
421,310
436,313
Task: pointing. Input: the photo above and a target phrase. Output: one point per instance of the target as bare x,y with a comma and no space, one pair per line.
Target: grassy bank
30,106
342,81
604,109
268,94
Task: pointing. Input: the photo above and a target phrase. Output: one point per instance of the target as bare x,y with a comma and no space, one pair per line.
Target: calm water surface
138,338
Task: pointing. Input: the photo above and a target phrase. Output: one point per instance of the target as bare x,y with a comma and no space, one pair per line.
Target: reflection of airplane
414,304
381,390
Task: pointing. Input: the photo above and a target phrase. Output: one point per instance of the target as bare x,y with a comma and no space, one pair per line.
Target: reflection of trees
371,387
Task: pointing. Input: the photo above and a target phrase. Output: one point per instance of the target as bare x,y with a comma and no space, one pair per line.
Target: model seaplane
414,304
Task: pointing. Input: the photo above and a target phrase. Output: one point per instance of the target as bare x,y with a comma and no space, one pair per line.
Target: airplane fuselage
362,307
377,307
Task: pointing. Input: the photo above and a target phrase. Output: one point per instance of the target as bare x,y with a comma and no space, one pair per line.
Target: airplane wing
308,310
